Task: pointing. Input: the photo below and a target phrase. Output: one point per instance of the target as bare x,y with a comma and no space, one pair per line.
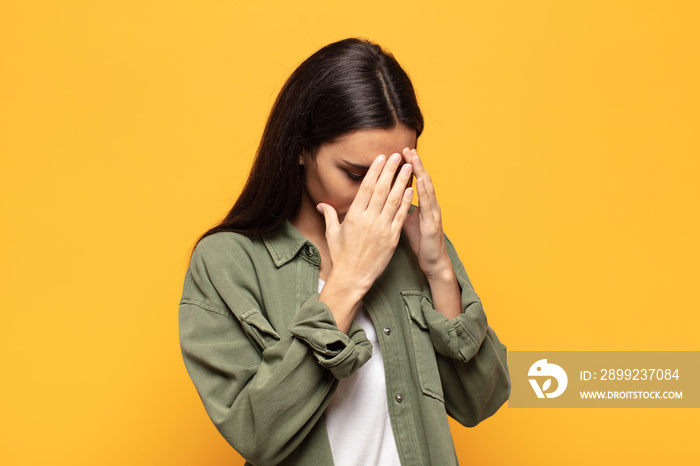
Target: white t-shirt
357,418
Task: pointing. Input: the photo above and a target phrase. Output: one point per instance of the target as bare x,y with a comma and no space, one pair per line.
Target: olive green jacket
266,356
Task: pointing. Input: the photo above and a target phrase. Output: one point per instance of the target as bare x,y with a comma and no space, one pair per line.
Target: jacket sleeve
264,392
471,359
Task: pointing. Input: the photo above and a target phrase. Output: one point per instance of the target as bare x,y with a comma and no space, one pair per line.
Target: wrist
446,293
352,286
342,297
441,271
446,277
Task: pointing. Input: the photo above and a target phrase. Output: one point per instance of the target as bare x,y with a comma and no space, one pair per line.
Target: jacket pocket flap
423,349
413,300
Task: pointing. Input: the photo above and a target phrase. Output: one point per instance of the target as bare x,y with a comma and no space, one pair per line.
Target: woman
325,320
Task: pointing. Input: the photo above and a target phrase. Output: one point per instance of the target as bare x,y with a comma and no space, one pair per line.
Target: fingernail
406,169
395,157
380,158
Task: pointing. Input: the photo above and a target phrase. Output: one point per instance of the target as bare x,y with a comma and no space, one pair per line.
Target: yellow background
561,135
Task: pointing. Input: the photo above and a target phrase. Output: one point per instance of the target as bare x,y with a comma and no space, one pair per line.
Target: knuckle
382,190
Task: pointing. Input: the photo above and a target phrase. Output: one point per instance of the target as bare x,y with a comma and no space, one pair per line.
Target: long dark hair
345,86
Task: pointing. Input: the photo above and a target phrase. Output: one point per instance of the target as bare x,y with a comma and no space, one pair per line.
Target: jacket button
387,331
399,397
309,251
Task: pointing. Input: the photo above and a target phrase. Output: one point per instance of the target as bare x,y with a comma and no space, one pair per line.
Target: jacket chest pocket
423,349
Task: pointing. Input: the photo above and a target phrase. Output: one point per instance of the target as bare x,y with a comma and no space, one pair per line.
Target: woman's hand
361,247
423,228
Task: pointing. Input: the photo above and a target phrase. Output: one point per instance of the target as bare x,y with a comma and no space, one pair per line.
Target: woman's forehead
361,147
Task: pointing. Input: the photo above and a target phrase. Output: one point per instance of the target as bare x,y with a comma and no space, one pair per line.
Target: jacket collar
285,243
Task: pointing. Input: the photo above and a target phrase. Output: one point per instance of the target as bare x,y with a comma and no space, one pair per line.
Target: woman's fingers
330,216
420,171
402,212
407,154
424,200
383,186
429,217
395,199
426,192
364,194
383,189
